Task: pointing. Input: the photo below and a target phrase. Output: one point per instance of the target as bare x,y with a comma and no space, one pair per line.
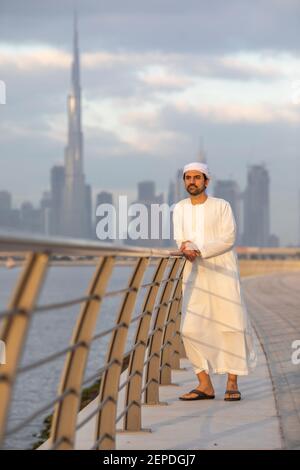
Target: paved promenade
274,305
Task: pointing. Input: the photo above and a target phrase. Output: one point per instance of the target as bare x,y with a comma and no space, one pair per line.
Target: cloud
160,78
207,27
232,113
33,59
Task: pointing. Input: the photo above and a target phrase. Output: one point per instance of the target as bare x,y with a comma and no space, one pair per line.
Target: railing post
169,333
65,414
154,349
15,326
108,395
177,344
132,418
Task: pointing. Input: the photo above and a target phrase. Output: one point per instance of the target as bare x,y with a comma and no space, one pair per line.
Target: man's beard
196,192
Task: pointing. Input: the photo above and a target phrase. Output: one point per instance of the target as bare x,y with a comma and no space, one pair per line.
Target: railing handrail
12,241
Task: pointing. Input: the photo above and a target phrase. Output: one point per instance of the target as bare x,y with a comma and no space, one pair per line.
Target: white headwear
202,167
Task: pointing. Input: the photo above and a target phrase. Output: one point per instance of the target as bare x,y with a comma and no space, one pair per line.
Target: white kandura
216,330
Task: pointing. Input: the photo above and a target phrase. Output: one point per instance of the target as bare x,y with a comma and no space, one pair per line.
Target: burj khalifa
76,211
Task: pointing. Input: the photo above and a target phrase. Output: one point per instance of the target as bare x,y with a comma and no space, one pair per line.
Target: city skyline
146,109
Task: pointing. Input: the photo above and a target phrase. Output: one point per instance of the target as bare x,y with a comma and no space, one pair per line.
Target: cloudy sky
157,77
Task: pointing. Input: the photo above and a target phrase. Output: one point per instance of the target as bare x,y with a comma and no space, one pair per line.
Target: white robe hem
223,371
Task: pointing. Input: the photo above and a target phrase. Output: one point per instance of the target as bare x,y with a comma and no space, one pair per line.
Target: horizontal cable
150,284
110,330
133,402
163,281
40,411
157,328
166,364
14,311
100,371
76,301
120,291
164,345
141,315
52,357
96,410
150,357
148,383
60,441
67,303
98,442
133,374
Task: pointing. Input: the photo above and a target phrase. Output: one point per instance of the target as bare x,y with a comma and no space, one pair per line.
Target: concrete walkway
273,303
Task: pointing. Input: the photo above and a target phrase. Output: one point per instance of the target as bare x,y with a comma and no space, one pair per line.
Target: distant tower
75,192
180,191
104,197
230,191
201,155
257,207
57,199
147,196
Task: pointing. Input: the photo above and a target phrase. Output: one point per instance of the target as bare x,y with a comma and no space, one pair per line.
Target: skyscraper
257,207
104,197
57,199
180,191
75,191
45,207
147,197
230,191
201,155
9,217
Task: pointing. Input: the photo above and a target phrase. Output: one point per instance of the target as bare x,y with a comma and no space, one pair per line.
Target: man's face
195,182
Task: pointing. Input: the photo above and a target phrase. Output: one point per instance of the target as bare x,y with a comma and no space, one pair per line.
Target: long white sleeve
227,238
177,225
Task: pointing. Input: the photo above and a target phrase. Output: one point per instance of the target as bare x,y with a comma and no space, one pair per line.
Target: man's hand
189,254
182,247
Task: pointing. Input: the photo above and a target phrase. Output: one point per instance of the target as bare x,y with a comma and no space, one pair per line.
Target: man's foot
232,387
209,390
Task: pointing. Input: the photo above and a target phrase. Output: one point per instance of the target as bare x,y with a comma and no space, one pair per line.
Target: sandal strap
199,392
196,391
232,392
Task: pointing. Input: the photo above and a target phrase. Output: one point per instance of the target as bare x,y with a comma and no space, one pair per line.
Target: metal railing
156,349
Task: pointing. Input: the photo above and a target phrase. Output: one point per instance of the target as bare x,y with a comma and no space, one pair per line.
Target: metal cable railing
156,346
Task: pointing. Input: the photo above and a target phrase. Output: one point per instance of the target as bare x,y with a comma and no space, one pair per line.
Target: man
216,331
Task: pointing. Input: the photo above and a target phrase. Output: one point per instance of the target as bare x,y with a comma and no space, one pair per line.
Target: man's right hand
189,254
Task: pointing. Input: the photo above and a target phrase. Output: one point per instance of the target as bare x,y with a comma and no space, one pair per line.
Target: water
51,332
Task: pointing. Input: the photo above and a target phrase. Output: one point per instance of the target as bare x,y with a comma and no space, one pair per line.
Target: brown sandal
201,396
233,392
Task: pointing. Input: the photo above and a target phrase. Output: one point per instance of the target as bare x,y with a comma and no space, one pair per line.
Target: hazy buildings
9,217
57,183
103,198
31,218
255,216
45,207
230,191
147,197
257,208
